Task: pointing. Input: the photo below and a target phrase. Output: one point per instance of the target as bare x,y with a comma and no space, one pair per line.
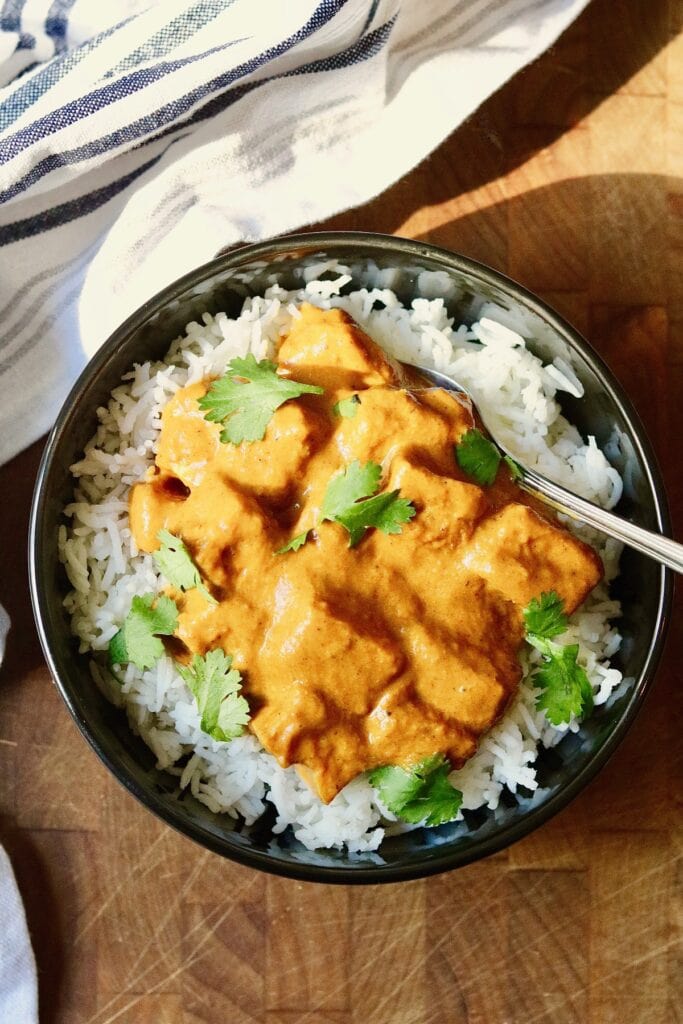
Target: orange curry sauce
401,647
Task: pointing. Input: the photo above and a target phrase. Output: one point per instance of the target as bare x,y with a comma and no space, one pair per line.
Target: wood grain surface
570,179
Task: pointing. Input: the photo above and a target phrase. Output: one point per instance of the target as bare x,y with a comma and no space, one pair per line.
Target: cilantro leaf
138,639
386,512
544,617
244,400
515,469
175,563
565,689
215,686
295,543
350,485
478,457
421,794
342,502
346,407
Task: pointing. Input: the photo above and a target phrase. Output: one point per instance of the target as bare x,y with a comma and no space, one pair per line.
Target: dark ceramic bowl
643,586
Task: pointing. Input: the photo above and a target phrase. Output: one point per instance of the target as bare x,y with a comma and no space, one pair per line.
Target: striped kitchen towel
18,985
138,137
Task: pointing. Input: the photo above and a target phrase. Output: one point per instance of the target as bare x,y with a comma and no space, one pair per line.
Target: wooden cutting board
571,180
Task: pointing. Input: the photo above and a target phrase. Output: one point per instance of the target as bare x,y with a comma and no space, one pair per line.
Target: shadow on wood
35,878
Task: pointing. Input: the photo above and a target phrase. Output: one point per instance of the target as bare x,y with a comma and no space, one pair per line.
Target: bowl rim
440,859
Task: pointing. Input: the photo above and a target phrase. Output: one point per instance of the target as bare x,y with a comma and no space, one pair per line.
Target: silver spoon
654,545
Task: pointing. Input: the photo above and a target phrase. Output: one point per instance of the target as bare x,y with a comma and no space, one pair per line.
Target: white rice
517,395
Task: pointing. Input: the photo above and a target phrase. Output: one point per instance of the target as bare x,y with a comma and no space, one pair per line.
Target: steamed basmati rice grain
515,391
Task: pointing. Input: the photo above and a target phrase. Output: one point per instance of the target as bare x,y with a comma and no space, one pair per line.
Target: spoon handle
661,548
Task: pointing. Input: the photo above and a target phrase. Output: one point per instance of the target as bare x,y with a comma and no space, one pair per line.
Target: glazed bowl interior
412,270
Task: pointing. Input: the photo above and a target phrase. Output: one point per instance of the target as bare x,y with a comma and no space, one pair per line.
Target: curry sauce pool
354,656
107,569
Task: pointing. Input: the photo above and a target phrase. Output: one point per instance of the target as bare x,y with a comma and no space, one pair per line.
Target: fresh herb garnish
421,794
175,563
565,689
215,686
349,501
350,485
244,400
544,617
138,639
295,543
514,467
346,407
478,457
564,685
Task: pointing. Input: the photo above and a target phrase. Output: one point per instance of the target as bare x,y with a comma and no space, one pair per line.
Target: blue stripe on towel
96,100
22,98
363,49
128,133
171,35
16,299
19,336
56,23
10,16
90,103
65,302
10,21
73,208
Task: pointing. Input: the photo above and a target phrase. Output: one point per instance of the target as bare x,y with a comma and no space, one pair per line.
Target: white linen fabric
138,137
18,986
18,982
4,630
